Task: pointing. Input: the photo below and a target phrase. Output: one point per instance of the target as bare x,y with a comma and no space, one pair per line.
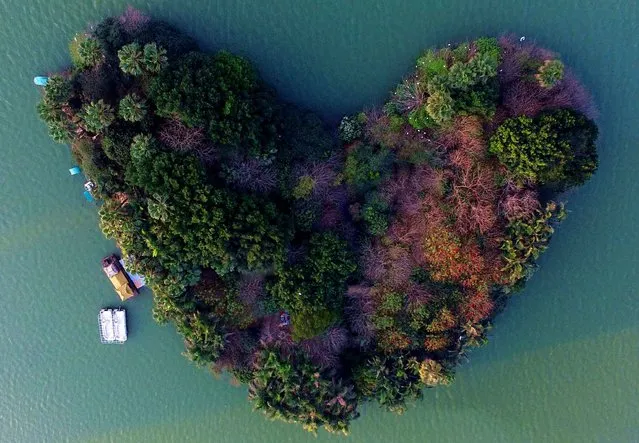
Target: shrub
350,129
550,73
366,166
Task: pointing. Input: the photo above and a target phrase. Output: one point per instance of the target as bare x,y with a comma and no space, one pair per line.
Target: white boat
112,324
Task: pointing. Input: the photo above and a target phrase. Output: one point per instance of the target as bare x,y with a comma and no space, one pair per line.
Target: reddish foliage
451,260
133,20
523,97
238,349
518,204
176,135
359,310
252,175
476,306
251,289
272,334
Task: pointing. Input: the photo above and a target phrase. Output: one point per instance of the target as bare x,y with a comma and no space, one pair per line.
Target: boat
112,323
41,80
119,278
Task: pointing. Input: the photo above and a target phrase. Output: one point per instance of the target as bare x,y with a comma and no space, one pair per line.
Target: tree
550,73
58,90
291,389
202,338
392,380
154,58
132,108
97,116
131,59
89,52
319,282
556,148
432,373
221,93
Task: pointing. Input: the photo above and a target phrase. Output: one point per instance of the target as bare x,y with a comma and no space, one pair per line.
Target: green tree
440,106
555,148
203,340
97,116
550,73
131,59
221,93
291,389
154,58
319,282
89,53
527,238
392,380
58,90
132,108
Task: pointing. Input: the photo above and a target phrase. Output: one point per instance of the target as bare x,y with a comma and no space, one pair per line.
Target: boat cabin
118,277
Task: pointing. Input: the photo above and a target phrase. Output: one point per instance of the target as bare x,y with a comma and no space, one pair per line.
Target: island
323,266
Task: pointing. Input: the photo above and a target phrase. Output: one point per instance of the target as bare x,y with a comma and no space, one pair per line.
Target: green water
563,361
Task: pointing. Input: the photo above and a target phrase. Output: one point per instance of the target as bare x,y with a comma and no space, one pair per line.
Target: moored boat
118,277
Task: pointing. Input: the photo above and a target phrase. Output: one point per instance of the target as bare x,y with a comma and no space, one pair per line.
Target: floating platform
112,323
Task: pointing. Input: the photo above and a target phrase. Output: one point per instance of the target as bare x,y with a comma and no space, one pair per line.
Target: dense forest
323,267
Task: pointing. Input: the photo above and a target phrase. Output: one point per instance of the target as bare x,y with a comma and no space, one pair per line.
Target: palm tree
132,108
432,373
97,116
131,59
90,52
154,57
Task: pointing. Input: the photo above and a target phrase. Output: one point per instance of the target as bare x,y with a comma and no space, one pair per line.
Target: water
563,360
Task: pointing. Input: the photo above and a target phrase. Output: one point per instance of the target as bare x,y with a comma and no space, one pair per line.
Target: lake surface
562,364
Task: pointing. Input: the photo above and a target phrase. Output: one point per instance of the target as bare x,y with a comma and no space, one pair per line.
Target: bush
308,324
550,73
375,215
350,129
366,166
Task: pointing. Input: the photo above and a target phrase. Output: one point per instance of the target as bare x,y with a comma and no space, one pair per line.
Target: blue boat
88,196
74,170
41,80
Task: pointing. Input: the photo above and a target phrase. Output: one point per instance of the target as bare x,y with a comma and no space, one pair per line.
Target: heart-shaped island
323,267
